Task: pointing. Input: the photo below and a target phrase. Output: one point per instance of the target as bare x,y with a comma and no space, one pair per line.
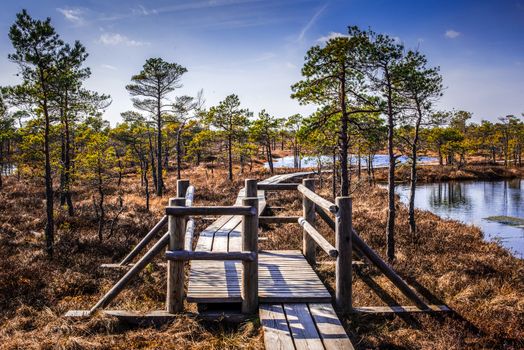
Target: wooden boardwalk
295,312
284,276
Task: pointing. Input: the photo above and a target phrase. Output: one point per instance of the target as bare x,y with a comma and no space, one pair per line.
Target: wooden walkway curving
284,276
296,312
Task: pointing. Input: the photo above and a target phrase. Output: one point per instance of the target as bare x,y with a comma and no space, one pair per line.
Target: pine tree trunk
230,157
50,220
269,157
178,155
343,141
390,226
334,174
152,160
160,180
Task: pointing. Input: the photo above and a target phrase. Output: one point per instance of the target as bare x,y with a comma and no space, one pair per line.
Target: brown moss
448,262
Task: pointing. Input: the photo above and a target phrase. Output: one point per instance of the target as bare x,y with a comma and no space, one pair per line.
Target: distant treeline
372,96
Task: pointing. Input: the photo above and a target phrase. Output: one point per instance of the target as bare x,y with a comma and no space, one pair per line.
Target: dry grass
433,173
449,263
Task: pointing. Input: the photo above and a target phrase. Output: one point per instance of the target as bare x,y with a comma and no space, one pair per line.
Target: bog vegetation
373,96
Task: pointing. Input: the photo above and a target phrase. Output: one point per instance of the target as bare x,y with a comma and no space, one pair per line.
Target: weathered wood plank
284,276
302,327
329,327
276,330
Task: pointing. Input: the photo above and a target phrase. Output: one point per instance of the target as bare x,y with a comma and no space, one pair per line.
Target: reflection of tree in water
516,194
450,195
515,184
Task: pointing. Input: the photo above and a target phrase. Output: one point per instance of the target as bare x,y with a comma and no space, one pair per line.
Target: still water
379,160
472,201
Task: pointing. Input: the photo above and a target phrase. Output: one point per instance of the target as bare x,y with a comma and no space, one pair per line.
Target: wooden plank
276,330
302,327
330,329
78,313
284,276
205,239
399,309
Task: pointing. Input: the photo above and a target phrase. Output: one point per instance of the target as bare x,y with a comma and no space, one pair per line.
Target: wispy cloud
73,15
310,23
114,39
180,7
265,57
331,35
108,66
452,34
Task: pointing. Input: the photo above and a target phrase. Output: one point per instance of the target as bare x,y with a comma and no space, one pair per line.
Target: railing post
343,231
181,188
250,243
308,208
251,188
175,269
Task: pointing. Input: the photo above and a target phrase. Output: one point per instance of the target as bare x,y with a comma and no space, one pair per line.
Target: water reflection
449,195
472,201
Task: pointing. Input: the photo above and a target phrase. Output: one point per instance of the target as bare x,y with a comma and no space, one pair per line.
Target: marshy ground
448,262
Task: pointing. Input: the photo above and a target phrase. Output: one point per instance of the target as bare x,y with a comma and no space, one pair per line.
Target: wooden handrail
144,241
204,255
210,210
190,194
277,187
318,238
133,271
375,259
315,198
190,231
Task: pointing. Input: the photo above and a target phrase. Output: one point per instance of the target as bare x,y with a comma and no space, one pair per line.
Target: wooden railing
342,251
177,254
338,216
185,193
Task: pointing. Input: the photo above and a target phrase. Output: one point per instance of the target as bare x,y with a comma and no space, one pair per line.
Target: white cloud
108,66
291,65
114,39
310,23
73,15
330,36
452,34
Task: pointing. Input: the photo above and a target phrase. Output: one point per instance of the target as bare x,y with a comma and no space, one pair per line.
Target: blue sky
256,48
